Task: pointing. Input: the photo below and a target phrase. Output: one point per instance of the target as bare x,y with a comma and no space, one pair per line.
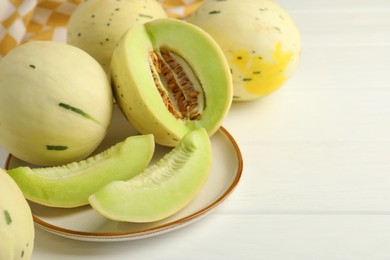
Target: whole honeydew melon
16,222
97,25
259,39
55,103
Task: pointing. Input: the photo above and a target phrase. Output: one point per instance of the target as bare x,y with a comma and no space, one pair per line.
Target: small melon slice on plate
70,185
163,188
170,77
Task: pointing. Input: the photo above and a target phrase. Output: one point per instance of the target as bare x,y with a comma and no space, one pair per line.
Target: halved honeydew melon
70,185
170,77
164,188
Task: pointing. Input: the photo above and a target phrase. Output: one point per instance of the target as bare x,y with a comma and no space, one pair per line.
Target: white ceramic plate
83,223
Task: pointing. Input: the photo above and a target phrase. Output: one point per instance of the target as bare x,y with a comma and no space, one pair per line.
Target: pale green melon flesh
163,188
70,185
16,222
134,85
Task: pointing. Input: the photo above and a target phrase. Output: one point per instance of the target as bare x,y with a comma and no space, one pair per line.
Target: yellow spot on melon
260,76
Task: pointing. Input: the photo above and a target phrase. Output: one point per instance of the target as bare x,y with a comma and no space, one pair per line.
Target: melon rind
164,188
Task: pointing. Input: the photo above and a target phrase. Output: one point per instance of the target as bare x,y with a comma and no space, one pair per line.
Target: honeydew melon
259,39
55,103
16,222
70,185
97,25
163,188
170,77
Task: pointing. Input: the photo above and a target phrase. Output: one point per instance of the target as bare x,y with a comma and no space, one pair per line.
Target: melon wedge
70,185
163,188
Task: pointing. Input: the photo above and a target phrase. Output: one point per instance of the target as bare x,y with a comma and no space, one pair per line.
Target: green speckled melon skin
55,103
97,25
16,222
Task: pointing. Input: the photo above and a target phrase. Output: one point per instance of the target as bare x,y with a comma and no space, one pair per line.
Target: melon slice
163,188
70,185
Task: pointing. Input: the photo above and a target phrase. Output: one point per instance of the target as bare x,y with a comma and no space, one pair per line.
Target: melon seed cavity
177,84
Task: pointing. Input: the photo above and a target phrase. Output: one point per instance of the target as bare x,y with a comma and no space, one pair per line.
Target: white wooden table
316,179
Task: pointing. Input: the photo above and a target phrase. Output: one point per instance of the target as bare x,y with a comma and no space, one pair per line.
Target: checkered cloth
25,20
